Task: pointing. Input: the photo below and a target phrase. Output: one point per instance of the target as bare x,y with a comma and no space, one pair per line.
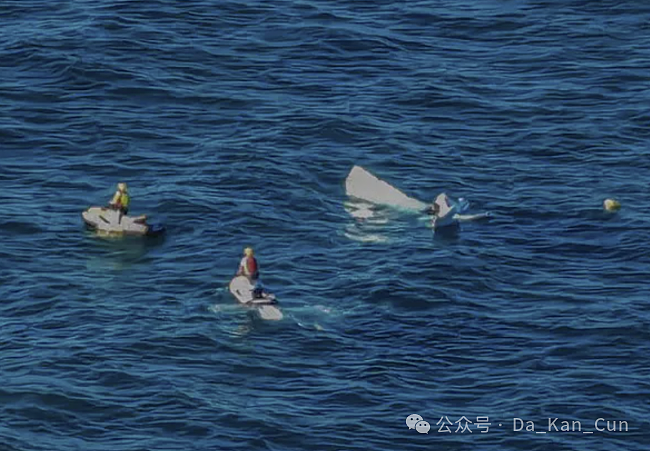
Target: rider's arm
115,199
241,271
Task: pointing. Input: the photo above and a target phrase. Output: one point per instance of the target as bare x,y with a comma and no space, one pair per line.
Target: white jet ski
361,184
447,210
242,289
365,186
112,221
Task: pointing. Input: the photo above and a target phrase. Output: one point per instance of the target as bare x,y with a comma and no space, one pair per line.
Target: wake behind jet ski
114,220
446,211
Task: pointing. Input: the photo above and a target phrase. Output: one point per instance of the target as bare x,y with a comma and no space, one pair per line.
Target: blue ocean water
235,123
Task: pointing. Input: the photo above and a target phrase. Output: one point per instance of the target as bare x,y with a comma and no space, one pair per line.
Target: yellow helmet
122,186
611,204
248,252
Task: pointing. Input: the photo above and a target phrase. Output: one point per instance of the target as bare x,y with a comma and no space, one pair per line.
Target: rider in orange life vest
249,269
248,266
121,199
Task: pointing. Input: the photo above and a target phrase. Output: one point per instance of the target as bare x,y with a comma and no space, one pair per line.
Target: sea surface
235,123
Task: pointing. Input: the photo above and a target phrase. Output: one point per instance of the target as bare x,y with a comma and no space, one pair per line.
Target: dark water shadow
447,235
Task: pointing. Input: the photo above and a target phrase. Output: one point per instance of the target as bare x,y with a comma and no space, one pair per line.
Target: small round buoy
611,205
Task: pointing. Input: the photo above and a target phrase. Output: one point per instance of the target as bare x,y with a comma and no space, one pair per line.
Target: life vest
123,201
251,267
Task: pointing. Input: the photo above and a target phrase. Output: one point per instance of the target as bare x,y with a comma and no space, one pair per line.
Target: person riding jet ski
120,202
248,268
114,219
121,199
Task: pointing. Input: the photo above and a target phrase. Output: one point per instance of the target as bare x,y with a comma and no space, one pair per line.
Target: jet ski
362,185
446,212
261,300
112,221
